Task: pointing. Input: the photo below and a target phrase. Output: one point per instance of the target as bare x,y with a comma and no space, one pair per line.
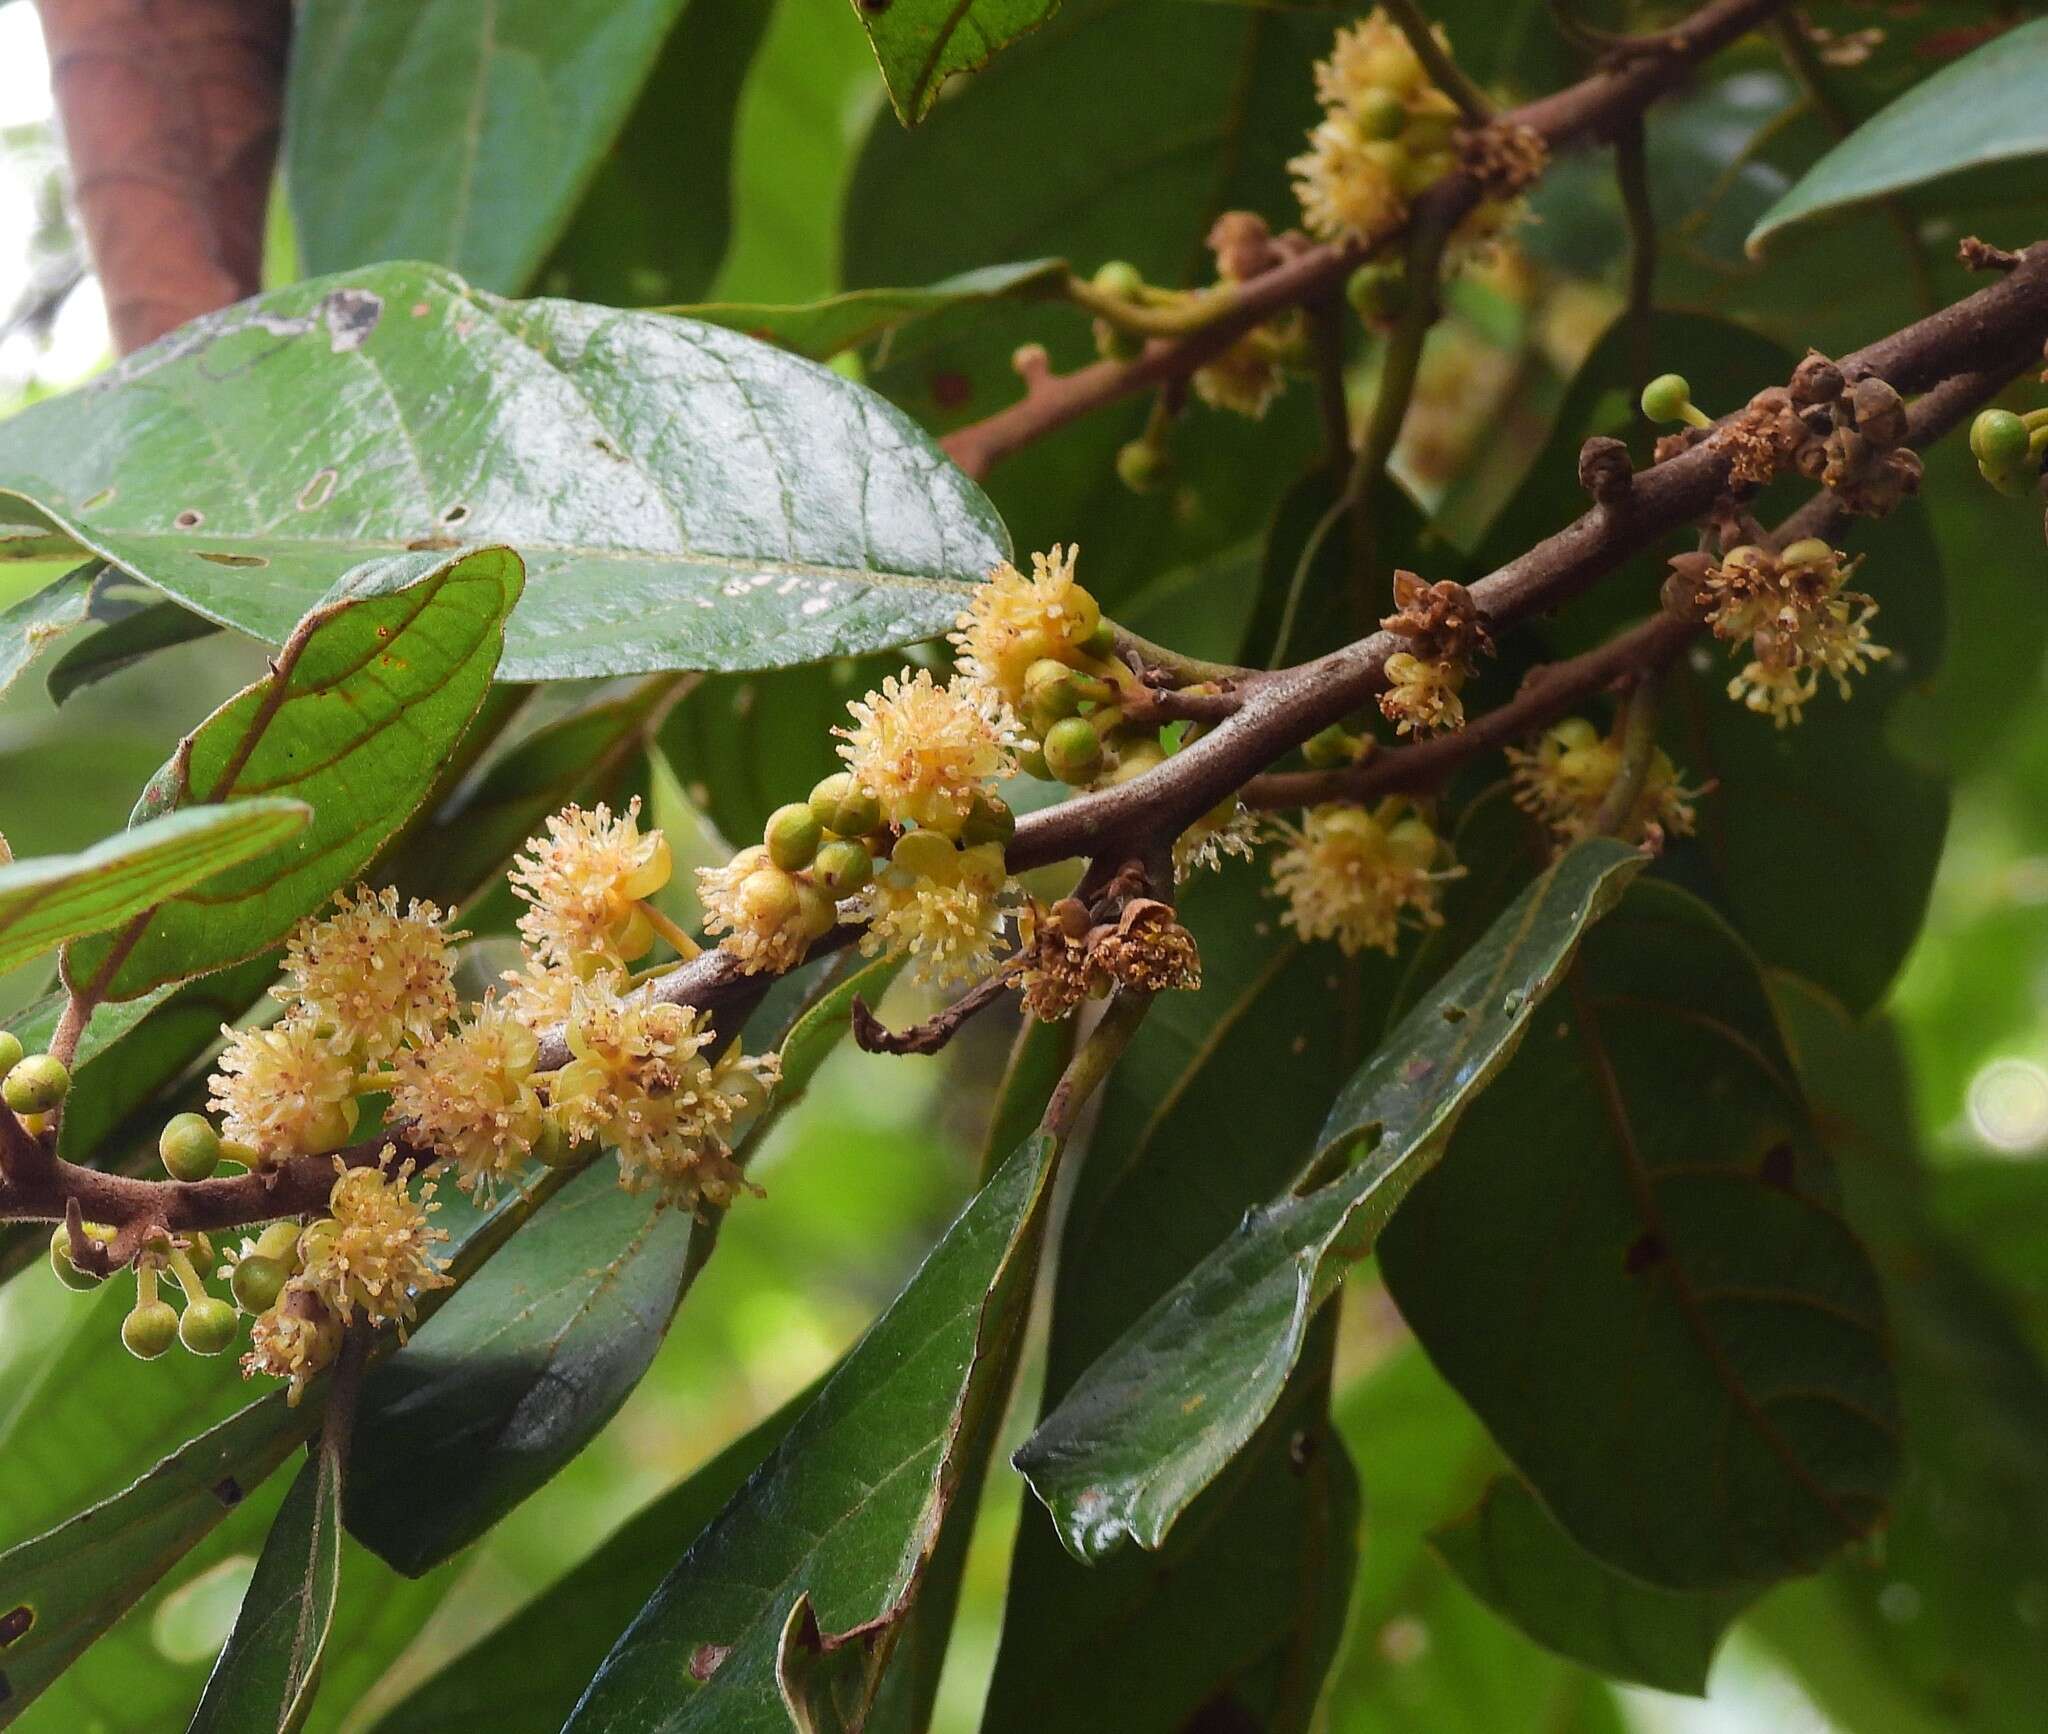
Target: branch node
1605,470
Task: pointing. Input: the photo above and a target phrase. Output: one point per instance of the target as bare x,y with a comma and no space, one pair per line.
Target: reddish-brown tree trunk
171,112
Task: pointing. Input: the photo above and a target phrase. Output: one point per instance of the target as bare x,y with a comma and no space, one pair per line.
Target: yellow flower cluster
942,905
370,977
284,1091
1799,619
1355,876
1422,694
1564,778
584,883
1015,621
925,751
471,1094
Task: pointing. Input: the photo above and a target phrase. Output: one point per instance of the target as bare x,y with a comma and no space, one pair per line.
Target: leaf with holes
1158,1417
848,1507
1510,1553
263,1682
683,496
45,902
919,44
1631,1264
357,717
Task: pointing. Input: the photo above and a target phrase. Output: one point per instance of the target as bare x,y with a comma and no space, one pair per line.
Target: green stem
1094,1061
1444,72
1185,314
1638,751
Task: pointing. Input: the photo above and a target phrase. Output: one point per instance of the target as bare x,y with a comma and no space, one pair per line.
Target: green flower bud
1379,291
1667,398
553,1149
793,834
1073,750
208,1327
844,808
281,1242
1136,756
36,1085
842,868
1100,639
10,1051
257,1282
815,910
1141,466
189,1146
149,1330
1412,842
1334,746
316,1240
1807,551
1119,277
1031,761
1051,689
1573,734
926,855
1999,439
1379,114
983,866
989,820
60,1256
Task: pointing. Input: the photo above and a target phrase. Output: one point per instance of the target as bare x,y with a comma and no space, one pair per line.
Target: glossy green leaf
858,317
458,133
523,1367
124,642
683,497
652,223
1509,1553
827,1689
1162,1413
264,1681
1241,1610
538,1662
1983,110
1631,1264
34,623
358,716
848,1507
919,44
47,901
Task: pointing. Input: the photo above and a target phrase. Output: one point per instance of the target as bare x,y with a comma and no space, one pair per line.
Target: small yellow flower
284,1091
470,1096
537,993
297,1338
1564,778
1014,621
950,923
1352,876
765,914
925,751
584,881
1349,186
680,1144
1800,619
1422,694
373,976
375,1253
1371,54
1232,830
1247,377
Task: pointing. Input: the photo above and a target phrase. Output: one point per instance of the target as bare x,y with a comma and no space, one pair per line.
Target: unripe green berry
36,1084
1334,746
60,1257
1141,466
257,1282
1379,114
845,809
1667,397
1073,750
1999,439
149,1330
1119,277
189,1146
926,855
208,1326
989,820
842,868
793,834
10,1051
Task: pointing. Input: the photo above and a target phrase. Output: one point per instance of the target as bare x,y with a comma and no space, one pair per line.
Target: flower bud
1331,747
257,1282
281,1242
1667,397
816,911
149,1330
208,1326
842,868
844,808
792,835
926,855
1119,277
1999,439
1379,113
1573,734
989,820
1073,750
36,1085
1051,689
10,1044
1141,466
60,1256
189,1146
1137,756
1413,842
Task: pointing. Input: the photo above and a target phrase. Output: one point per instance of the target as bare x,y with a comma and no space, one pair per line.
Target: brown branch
1588,110
171,112
873,1036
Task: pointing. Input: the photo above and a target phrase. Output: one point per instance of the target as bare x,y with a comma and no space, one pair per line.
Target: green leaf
45,902
522,1368
124,642
1985,109
1510,1553
358,716
536,1665
848,1507
1241,1611
919,44
1161,1414
43,616
1656,1290
683,497
827,1688
858,317
633,241
266,1676
481,129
